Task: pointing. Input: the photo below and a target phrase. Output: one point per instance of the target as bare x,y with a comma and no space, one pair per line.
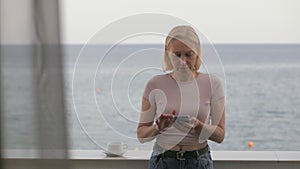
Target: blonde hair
188,36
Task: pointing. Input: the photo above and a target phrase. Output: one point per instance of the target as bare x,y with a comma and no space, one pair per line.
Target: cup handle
125,146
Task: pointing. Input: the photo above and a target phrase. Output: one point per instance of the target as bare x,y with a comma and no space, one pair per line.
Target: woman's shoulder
213,78
208,75
158,78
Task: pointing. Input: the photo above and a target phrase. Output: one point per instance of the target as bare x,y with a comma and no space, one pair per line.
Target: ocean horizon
103,94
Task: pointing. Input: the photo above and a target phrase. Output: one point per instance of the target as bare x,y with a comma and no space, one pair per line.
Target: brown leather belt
182,155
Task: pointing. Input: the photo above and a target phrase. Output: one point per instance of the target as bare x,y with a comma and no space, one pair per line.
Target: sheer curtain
33,121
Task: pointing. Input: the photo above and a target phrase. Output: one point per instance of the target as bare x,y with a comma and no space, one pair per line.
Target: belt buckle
180,155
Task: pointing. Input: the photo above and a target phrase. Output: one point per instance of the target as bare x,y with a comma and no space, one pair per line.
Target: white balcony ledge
82,159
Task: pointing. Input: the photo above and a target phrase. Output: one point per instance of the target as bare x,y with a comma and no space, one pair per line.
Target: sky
221,21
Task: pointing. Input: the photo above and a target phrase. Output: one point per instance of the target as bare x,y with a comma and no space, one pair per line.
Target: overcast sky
222,21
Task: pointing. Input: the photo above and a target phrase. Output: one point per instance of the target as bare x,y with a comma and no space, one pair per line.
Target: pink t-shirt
191,98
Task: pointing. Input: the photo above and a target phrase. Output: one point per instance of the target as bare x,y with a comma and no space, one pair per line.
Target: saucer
109,154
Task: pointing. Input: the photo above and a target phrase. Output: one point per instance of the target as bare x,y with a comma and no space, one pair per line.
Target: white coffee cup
117,148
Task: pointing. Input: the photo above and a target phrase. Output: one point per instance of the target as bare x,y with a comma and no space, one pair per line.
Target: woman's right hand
165,121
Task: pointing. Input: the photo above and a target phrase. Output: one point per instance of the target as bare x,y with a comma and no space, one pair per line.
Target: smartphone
181,118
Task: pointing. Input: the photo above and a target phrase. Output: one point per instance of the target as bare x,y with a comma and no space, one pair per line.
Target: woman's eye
177,54
189,54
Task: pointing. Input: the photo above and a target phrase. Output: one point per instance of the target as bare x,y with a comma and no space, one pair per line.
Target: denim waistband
157,149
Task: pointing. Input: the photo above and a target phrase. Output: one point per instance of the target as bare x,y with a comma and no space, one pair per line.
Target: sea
104,87
104,84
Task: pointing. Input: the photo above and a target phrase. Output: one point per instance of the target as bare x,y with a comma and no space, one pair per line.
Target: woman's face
182,57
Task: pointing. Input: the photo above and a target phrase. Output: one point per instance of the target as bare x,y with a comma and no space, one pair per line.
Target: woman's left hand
197,124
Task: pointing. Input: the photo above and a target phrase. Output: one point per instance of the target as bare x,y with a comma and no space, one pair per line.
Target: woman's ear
198,62
167,52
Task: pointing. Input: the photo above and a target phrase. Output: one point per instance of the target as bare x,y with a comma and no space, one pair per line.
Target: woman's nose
183,59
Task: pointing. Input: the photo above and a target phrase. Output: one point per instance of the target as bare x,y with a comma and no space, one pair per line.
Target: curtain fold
1,166
31,94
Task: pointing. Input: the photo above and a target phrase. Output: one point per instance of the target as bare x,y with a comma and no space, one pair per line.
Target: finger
173,112
167,123
159,120
194,120
170,119
166,116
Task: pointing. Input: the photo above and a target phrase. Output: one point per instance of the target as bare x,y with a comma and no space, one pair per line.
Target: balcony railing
94,159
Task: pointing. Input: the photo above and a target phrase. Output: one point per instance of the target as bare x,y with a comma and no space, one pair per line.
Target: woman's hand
165,121
197,125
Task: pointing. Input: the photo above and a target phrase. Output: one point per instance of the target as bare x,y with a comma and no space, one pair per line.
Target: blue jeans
202,162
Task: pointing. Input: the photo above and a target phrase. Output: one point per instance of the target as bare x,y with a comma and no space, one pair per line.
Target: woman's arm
147,130
216,130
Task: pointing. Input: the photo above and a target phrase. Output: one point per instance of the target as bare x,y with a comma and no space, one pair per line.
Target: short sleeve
148,115
217,89
148,89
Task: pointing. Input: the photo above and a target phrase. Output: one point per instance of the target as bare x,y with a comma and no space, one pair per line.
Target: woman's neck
184,76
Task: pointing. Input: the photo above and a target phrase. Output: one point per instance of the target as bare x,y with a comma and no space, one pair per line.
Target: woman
182,109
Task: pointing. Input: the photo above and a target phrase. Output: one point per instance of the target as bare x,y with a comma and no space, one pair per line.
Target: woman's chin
183,69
